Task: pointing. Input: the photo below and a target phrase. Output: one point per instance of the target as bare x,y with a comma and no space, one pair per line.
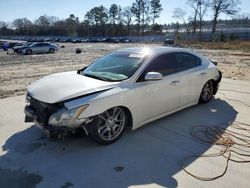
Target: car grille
42,110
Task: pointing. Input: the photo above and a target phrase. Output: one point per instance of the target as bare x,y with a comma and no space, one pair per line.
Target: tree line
195,21
139,18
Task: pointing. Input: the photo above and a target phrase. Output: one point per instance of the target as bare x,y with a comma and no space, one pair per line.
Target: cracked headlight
66,117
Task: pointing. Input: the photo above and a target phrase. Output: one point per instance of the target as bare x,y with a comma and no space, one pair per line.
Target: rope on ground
229,140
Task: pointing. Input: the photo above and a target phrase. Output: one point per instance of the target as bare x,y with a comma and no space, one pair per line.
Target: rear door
190,71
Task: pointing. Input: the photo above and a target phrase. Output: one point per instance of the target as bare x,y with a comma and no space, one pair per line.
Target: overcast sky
32,9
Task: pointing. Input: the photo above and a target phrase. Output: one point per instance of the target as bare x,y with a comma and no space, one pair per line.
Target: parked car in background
39,47
7,45
1,44
126,88
169,42
18,47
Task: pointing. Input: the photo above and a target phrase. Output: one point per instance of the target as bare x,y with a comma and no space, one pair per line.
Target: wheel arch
128,113
130,117
216,83
28,49
51,48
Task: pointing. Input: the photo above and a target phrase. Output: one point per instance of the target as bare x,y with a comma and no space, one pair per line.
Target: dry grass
228,45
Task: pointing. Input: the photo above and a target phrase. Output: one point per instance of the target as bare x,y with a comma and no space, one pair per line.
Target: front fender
102,101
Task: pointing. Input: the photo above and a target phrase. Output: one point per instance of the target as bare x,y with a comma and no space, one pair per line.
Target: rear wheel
207,92
28,52
109,126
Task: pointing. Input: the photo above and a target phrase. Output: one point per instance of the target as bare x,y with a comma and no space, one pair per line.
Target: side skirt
163,115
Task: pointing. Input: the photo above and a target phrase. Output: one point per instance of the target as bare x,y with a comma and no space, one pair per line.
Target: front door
154,98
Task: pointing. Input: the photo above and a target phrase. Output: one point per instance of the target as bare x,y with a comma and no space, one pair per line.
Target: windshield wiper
96,77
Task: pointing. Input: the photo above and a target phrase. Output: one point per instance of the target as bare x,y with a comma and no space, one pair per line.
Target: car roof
154,49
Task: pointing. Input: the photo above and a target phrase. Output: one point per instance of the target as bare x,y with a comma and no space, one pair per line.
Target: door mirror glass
151,76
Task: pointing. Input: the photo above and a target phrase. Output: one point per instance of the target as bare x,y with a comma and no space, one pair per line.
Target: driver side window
163,64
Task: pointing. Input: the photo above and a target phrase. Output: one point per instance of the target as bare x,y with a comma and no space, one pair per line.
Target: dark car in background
169,42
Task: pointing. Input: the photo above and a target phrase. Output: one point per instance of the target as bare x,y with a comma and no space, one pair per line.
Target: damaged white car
124,89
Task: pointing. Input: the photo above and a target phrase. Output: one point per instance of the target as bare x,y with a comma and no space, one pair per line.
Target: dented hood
63,86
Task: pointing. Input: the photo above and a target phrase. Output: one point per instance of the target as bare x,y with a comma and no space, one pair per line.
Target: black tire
207,92
28,52
51,50
99,127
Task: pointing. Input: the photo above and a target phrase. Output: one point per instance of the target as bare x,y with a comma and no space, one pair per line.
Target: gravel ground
17,71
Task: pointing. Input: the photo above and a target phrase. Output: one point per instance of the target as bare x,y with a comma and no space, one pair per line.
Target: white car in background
38,48
127,88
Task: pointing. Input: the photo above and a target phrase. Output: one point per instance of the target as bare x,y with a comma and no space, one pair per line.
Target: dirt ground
17,71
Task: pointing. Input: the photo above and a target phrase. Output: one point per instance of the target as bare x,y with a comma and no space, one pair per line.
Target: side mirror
81,70
152,76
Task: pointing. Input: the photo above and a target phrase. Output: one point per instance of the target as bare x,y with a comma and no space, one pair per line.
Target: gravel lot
17,71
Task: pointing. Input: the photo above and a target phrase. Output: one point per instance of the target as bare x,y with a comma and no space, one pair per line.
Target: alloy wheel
207,91
111,123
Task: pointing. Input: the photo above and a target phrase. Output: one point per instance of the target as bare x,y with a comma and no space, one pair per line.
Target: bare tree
228,7
72,23
180,14
138,9
194,6
146,17
4,30
199,8
203,7
89,18
22,25
3,24
113,13
156,8
127,18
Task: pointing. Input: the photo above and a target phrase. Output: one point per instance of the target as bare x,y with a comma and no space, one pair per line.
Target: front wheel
51,50
109,126
28,52
207,92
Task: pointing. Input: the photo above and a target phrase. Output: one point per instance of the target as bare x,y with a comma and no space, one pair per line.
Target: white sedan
124,89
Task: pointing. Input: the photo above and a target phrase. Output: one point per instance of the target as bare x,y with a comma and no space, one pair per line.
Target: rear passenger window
185,61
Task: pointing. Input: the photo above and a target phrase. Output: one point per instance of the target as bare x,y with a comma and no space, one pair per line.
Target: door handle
202,74
174,82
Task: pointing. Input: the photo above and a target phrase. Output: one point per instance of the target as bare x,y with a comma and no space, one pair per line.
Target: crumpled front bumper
52,132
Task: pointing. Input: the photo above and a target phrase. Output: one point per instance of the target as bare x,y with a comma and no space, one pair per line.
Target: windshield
116,66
